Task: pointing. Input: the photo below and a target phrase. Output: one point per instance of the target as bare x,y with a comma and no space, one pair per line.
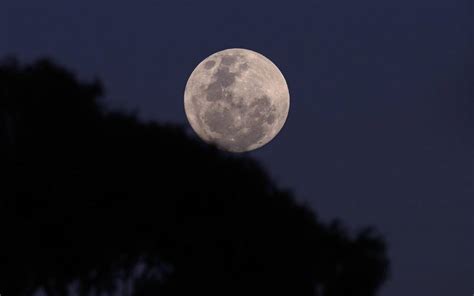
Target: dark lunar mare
223,79
209,65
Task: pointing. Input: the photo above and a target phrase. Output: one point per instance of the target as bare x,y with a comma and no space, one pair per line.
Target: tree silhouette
101,202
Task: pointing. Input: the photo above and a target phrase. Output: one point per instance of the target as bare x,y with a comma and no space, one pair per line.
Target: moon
236,99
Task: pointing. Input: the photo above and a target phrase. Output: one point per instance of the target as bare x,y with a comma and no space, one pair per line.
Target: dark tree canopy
99,198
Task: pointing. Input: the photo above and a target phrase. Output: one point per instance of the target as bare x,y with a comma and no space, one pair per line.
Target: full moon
236,99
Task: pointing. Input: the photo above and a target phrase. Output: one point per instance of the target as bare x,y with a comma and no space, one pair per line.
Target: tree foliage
99,198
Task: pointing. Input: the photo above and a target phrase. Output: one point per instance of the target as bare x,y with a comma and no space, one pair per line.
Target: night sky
381,124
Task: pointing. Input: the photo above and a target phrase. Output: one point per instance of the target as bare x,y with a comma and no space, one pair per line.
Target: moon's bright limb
236,99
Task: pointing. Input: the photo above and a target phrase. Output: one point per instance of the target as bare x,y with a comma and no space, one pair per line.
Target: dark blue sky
381,126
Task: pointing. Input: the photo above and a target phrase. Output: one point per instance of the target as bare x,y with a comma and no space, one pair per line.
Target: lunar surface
236,99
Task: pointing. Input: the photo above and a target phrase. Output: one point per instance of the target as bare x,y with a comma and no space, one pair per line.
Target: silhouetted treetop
92,200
